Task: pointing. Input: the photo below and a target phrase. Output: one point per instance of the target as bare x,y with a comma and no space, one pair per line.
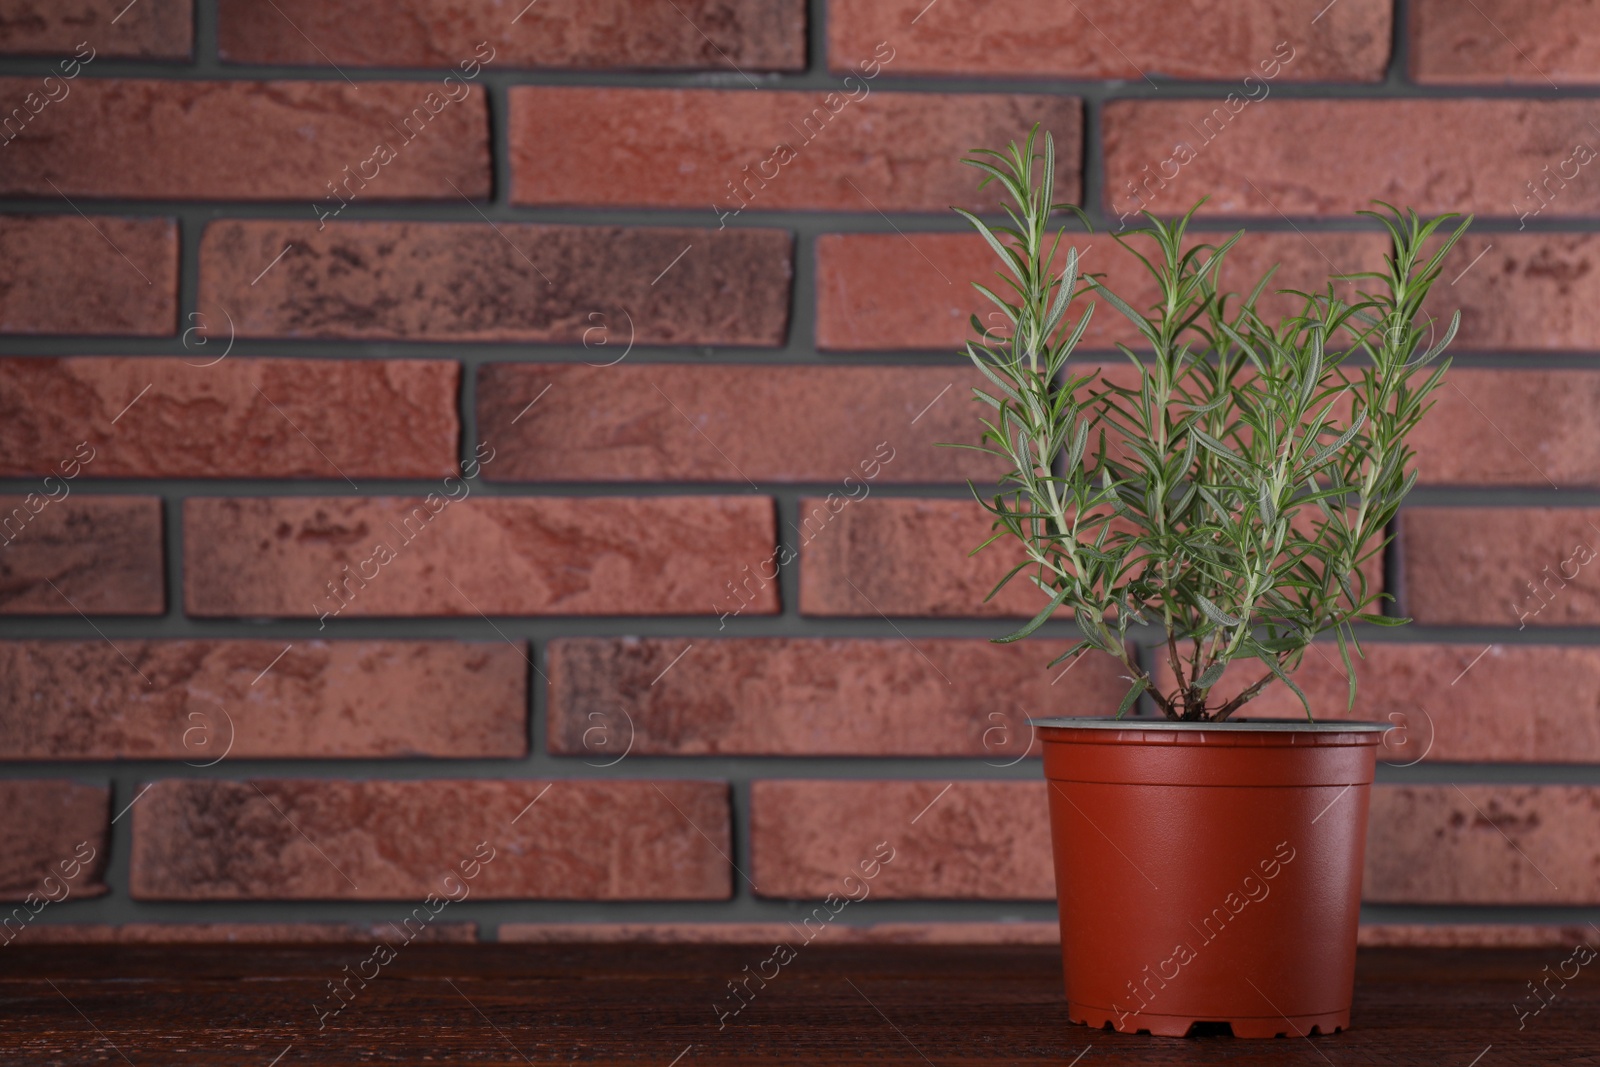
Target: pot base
1250,1026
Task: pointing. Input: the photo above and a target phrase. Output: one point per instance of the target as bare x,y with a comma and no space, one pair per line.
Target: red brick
604,287
202,701
687,147
851,426
302,839
813,696
1484,844
1430,155
1457,702
53,829
245,933
1535,291
1499,42
1020,932
100,555
1505,567
1302,261
910,557
101,275
1470,935
1511,427
710,933
1425,844
240,418
528,556
700,35
766,934
154,29
876,292
906,557
887,291
223,140
979,840
1156,38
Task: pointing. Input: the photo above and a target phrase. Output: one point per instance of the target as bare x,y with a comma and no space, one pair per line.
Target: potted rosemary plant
1216,497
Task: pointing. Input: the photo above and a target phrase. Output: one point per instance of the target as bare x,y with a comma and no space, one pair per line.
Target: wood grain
603,1004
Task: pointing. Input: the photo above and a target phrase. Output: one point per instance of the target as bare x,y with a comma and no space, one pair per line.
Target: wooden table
916,1005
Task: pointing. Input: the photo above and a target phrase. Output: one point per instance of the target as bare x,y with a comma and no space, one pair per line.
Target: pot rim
1230,725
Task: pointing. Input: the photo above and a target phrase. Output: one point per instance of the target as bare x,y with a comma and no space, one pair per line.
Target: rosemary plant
1229,487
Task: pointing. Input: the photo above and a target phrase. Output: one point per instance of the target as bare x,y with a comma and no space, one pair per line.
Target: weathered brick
1484,844
1510,567
530,556
1019,932
877,292
246,933
1500,42
100,275
303,839
1425,844
710,933
1429,155
1511,427
910,557
154,29
814,696
199,701
691,148
852,426
99,555
1534,291
227,140
700,35
53,829
888,291
1144,38
976,840
1471,935
905,557
1449,702
839,932
604,287
240,418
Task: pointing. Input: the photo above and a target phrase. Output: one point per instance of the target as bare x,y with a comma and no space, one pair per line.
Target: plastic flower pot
1209,873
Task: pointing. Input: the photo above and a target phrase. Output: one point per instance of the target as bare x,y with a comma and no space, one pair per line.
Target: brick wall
425,425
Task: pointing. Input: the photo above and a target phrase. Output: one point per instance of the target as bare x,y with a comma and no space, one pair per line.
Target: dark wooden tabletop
924,1006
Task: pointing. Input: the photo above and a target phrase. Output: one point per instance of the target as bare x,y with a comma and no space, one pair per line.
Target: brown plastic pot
1209,873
